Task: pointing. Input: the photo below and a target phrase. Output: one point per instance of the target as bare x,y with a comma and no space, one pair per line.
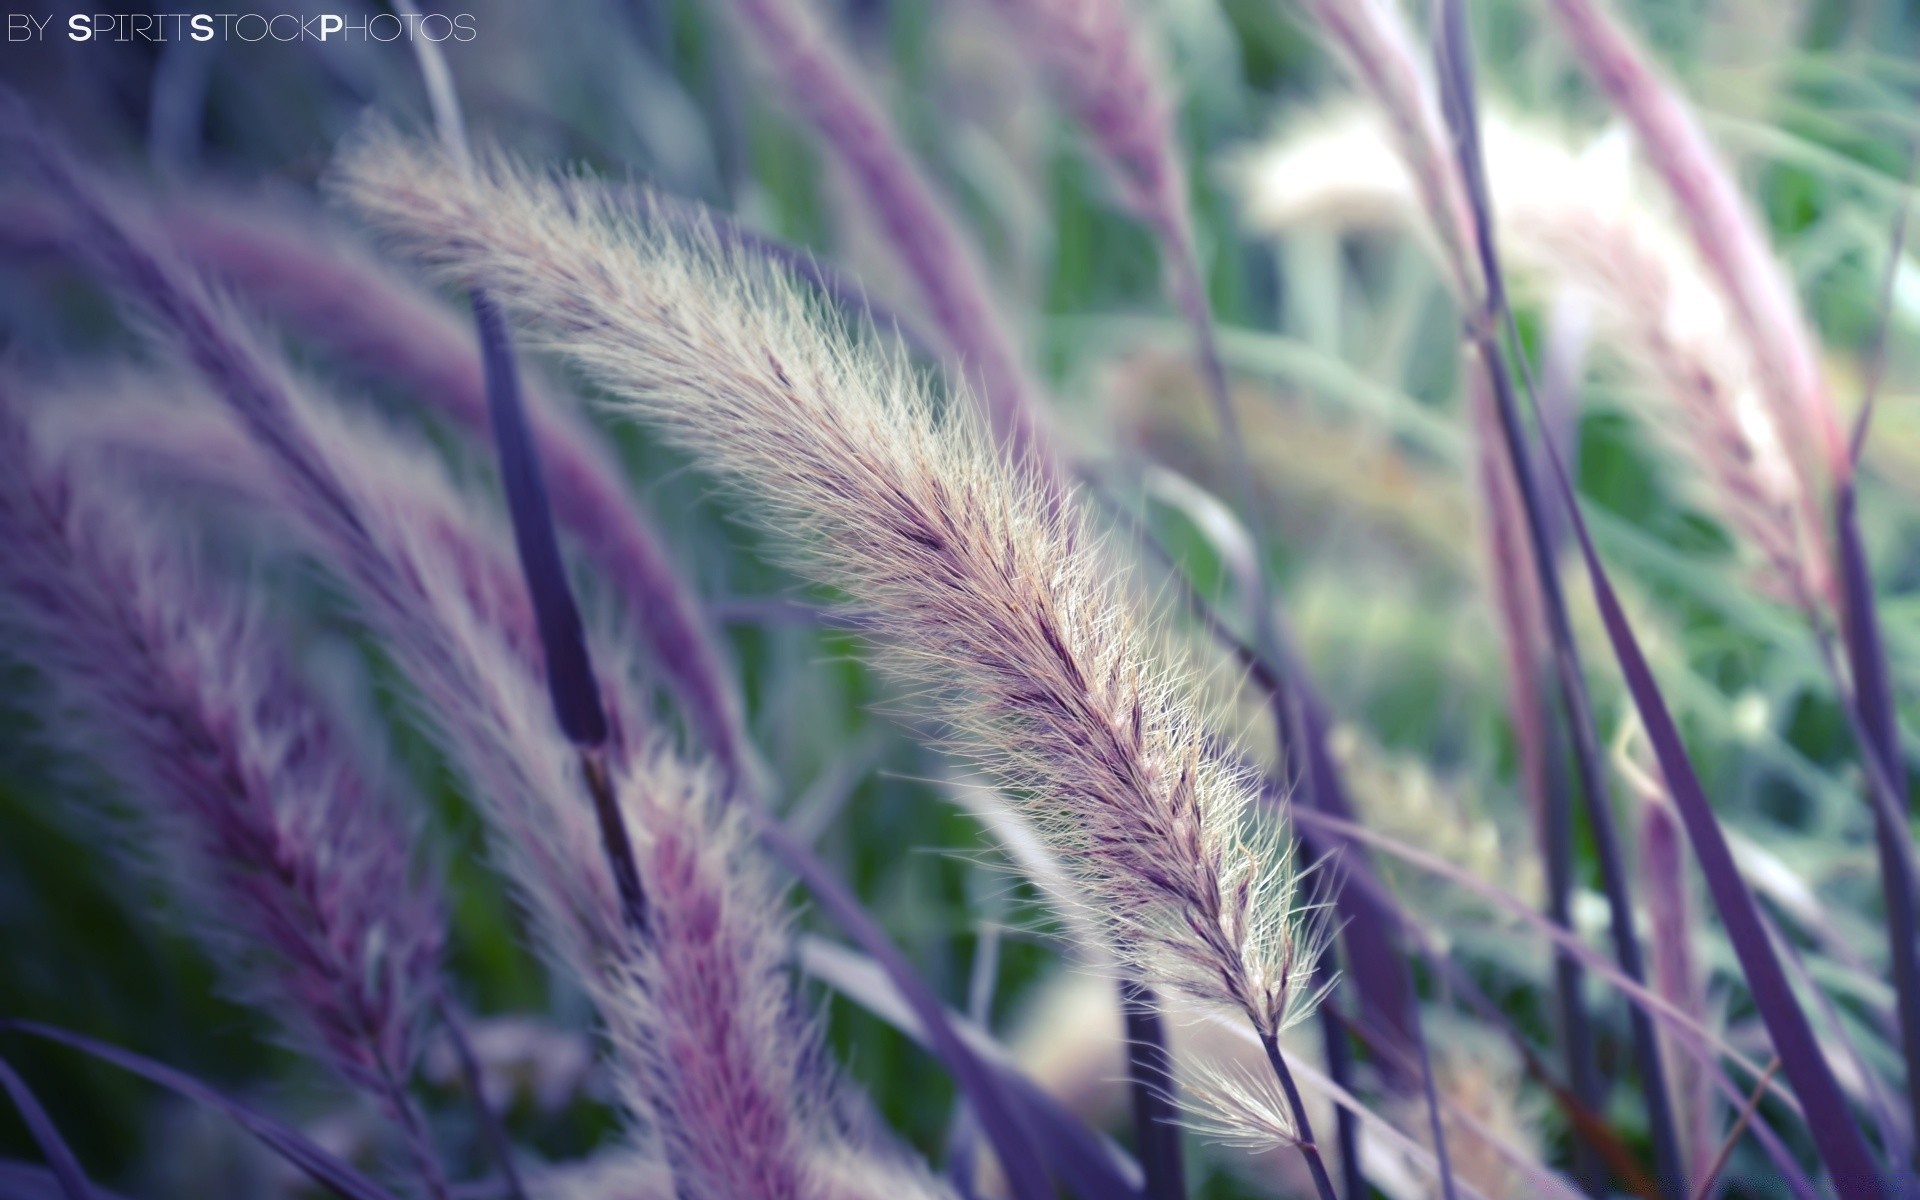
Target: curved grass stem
1303,1128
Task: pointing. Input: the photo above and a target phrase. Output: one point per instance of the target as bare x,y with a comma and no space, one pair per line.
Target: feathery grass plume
1487,1117
250,803
982,586
1106,73
1727,233
708,1029
436,578
715,1055
1069,1039
1238,1106
1104,68
332,291
750,1093
1402,797
1673,329
622,1174
464,644
851,123
1566,217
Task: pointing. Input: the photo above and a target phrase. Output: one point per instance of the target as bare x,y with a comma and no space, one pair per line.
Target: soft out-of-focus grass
1344,346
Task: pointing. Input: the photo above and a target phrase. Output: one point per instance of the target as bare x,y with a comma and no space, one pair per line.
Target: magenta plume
713,1052
713,1045
982,586
250,800
852,125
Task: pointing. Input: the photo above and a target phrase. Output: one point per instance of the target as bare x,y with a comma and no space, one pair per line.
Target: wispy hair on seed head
249,796
720,1061
1573,220
827,89
996,600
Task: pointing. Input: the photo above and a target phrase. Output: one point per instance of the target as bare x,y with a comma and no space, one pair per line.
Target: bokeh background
1342,341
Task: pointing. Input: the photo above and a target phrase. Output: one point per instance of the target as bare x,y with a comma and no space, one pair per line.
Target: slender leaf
1879,735
570,677
1877,718
1453,53
1156,1125
1833,1128
571,682
1090,1165
30,1181
1834,1131
1012,1138
318,1165
64,1167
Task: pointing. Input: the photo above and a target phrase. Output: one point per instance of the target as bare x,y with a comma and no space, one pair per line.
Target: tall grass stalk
1730,242
572,683
1103,66
979,584
694,996
1454,63
1840,1142
1433,126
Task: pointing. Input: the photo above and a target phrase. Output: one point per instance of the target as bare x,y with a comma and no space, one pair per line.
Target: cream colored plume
1578,219
985,588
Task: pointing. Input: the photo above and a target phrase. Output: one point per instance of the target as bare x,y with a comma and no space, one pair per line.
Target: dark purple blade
60,1160
571,683
323,1168
1877,719
570,678
1001,1120
1453,55
29,1181
1150,1082
1879,735
1092,1167
1828,1117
